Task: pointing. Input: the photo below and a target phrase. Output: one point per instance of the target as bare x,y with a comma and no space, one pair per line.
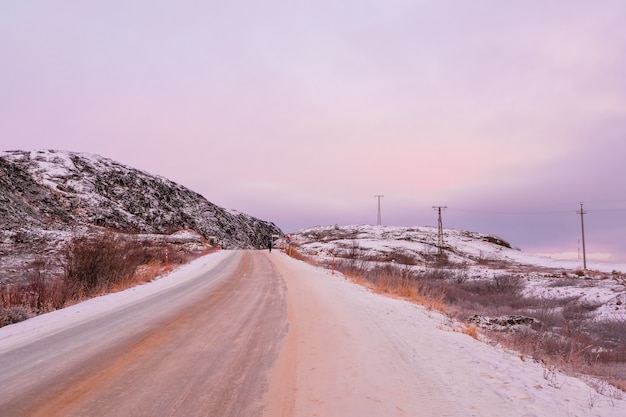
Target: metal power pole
582,226
440,228
379,221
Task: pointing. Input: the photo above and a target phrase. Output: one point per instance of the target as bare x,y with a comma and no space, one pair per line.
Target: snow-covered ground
20,333
375,350
476,255
421,241
364,354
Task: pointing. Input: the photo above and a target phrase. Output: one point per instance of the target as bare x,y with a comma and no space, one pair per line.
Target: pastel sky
510,113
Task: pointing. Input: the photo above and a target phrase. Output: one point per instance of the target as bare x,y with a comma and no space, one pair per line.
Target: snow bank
365,354
15,335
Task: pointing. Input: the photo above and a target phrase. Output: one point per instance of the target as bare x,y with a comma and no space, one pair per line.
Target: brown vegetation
558,332
93,265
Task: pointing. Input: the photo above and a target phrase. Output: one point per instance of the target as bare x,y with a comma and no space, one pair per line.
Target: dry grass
471,331
94,265
431,297
563,334
292,251
398,282
36,295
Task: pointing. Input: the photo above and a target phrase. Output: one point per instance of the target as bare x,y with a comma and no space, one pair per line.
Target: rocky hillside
416,245
469,258
47,196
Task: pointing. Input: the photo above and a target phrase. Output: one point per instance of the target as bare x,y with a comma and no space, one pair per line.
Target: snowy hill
47,196
473,255
411,245
419,246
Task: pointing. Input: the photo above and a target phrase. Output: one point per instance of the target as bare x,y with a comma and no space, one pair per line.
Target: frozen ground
350,352
18,334
475,255
363,354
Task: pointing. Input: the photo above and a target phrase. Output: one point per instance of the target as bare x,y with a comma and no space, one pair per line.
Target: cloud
301,112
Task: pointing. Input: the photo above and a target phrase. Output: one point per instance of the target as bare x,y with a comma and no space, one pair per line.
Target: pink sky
299,112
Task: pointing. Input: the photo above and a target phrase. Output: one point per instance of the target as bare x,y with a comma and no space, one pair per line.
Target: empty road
199,349
257,334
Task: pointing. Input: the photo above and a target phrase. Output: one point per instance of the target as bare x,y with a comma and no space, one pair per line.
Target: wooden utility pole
440,228
582,226
379,221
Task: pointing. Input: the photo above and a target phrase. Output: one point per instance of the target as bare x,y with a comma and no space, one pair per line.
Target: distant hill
48,196
405,245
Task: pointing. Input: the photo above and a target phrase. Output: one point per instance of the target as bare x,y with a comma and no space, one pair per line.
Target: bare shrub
576,310
498,296
471,330
10,295
14,314
294,253
355,259
548,312
402,257
613,331
562,333
41,292
434,274
512,284
95,264
565,282
612,335
36,294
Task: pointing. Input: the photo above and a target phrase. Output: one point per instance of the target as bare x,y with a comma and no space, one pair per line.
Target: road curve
204,348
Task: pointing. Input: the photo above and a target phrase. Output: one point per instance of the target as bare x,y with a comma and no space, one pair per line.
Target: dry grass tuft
561,333
471,331
93,265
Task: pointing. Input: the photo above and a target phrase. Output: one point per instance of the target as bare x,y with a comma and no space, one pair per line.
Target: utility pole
379,221
440,228
582,226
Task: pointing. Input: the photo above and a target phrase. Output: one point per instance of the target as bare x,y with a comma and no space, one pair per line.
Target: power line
608,210
512,212
533,212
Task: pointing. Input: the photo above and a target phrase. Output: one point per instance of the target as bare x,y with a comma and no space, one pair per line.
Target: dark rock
46,191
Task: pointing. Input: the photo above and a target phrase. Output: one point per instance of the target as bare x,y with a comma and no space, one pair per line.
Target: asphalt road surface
258,334
204,348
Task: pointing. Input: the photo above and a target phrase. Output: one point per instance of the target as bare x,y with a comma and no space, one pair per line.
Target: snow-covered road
236,333
199,342
350,352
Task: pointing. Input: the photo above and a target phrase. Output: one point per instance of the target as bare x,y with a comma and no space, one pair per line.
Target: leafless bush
404,283
513,284
93,265
434,274
45,294
562,335
402,258
293,251
354,263
14,315
612,334
97,263
36,294
501,295
613,331
565,282
576,310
